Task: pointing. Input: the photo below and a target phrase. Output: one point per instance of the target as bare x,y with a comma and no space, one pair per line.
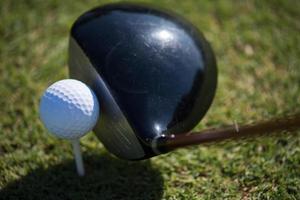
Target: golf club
153,73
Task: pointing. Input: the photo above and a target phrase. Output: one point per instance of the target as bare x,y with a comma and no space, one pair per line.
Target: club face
152,72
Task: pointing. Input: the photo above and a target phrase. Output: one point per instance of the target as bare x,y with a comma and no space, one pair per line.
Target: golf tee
78,157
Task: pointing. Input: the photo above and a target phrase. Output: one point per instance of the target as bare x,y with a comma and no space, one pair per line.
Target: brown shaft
286,124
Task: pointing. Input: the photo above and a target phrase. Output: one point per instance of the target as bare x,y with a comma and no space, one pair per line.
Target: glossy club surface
153,69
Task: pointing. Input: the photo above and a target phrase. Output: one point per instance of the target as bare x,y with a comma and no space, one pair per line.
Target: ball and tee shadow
106,178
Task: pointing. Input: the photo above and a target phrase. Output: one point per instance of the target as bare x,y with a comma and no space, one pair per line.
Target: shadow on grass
106,178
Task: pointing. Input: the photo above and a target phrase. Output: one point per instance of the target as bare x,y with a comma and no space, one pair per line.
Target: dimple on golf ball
69,109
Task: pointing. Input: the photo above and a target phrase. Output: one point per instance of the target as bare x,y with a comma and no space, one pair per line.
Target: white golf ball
69,109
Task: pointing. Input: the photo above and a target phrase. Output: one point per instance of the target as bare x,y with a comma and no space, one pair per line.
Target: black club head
153,73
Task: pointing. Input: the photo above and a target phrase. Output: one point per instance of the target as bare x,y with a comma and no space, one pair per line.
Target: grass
257,44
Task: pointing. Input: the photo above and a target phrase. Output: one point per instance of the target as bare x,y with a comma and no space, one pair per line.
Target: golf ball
69,109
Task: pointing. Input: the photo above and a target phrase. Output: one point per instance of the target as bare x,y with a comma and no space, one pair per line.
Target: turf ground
257,44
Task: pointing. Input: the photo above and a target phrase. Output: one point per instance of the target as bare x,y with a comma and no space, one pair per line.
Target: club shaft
277,126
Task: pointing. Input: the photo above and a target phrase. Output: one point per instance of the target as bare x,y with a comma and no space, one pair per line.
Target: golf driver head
153,73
